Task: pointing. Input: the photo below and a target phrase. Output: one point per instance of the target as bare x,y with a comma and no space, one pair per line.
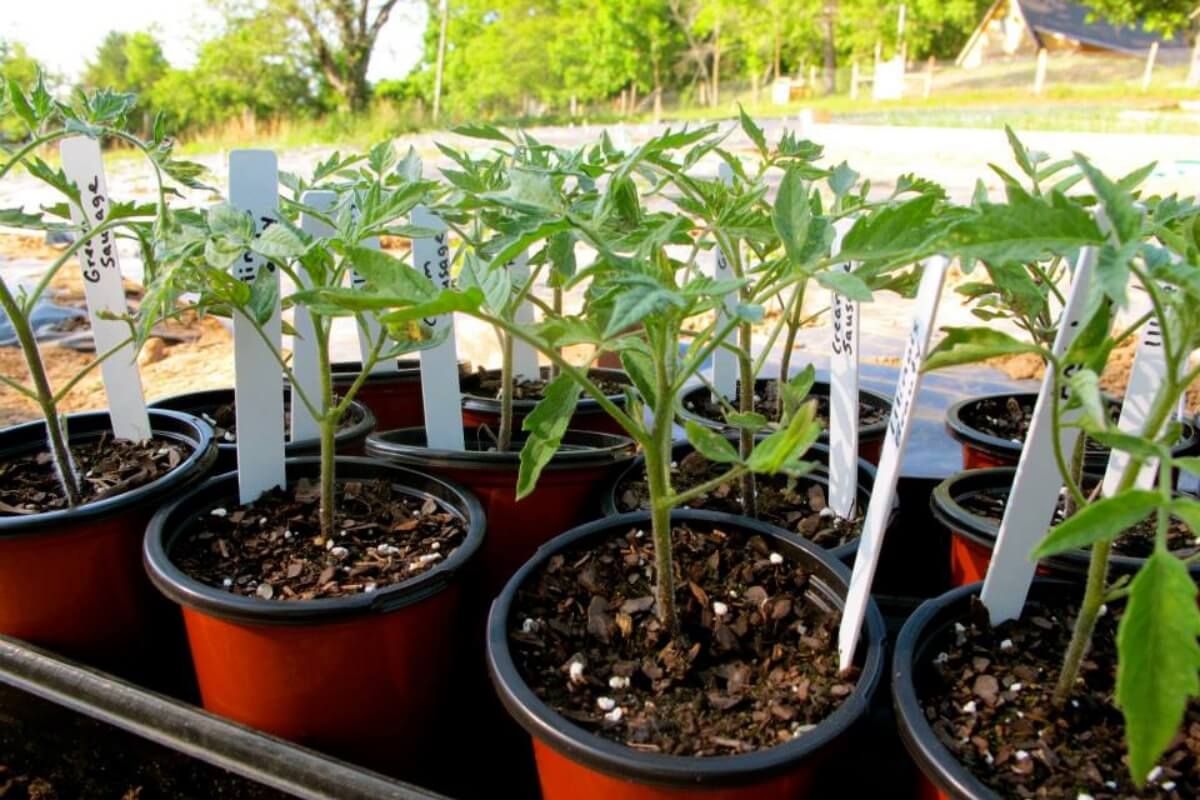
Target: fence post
1149,73
1039,76
854,80
929,76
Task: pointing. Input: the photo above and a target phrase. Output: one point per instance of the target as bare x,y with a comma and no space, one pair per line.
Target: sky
64,34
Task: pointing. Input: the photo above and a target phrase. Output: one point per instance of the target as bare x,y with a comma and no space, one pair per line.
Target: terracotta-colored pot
71,580
568,491
870,437
479,411
349,440
394,397
575,764
364,677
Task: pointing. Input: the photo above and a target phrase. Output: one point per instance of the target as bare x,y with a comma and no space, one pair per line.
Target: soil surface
1010,417
754,664
1137,542
273,548
989,700
223,420
105,466
488,385
767,404
794,504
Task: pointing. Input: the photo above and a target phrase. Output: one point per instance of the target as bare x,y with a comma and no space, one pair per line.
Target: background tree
1168,17
129,62
17,65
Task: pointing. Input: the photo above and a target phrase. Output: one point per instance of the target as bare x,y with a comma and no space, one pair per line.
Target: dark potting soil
1137,542
273,547
223,420
1009,418
794,504
767,404
489,385
754,664
990,701
106,467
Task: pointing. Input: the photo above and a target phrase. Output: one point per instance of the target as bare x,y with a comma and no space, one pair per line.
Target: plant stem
795,312
504,435
1077,456
45,397
658,480
327,423
746,406
557,295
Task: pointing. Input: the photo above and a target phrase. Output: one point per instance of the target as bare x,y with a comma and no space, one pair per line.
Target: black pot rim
165,526
943,503
843,552
961,431
875,430
206,398
596,752
586,404
174,425
582,449
407,370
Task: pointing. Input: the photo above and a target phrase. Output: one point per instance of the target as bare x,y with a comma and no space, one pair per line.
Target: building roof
1079,22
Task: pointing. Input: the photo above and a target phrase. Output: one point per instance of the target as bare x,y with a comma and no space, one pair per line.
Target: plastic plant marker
101,269
369,328
1148,372
724,360
440,390
1037,483
306,366
899,426
525,362
257,378
843,397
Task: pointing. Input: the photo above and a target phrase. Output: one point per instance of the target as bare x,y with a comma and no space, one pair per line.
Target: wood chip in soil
1010,417
105,466
754,664
794,504
767,404
989,699
273,548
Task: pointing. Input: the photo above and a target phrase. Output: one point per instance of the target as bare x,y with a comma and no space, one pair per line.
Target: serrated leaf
546,424
753,131
494,282
1158,667
278,242
1118,204
640,369
389,275
791,216
710,444
1100,521
747,420
972,345
846,284
781,450
1085,388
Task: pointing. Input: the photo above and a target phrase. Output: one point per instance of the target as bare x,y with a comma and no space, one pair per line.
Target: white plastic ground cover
843,394
724,361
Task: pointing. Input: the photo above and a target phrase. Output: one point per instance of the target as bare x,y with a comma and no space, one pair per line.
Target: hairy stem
504,435
658,480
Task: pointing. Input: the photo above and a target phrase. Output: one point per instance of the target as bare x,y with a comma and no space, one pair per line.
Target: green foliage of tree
18,66
1168,17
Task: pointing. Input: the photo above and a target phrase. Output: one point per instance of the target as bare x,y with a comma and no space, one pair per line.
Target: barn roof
1077,21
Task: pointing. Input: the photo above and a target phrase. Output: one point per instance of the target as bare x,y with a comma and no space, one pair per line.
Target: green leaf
1085,387
781,450
636,301
1158,668
846,284
640,369
546,425
1118,204
264,295
1187,509
446,302
279,242
20,104
1100,521
747,420
792,215
481,131
1025,229
1188,463
528,191
1143,449
795,390
389,275
1112,270
841,179
1020,154
710,444
753,131
972,345
494,282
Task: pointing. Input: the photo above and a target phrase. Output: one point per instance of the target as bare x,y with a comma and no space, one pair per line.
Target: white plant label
1037,483
1148,372
369,329
258,379
899,428
724,361
843,396
440,390
525,362
101,270
306,365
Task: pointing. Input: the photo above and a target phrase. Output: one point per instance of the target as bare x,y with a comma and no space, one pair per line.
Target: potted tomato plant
350,573
76,496
1092,690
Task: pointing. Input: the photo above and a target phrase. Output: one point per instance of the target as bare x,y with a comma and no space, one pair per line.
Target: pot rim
224,396
407,446
165,527
875,430
596,752
843,552
176,426
407,370
586,404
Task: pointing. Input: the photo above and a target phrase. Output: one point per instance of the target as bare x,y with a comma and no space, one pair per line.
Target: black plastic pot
58,706
575,763
917,645
349,440
480,410
71,580
368,660
818,452
973,537
981,450
870,437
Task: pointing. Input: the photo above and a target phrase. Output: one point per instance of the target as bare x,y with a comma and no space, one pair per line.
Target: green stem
327,423
683,498
504,435
658,480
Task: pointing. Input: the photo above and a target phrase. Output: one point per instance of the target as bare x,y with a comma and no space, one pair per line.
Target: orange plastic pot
71,580
567,493
362,677
480,411
349,440
575,764
870,437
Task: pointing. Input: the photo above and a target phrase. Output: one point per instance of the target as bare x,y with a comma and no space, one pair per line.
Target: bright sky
64,34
